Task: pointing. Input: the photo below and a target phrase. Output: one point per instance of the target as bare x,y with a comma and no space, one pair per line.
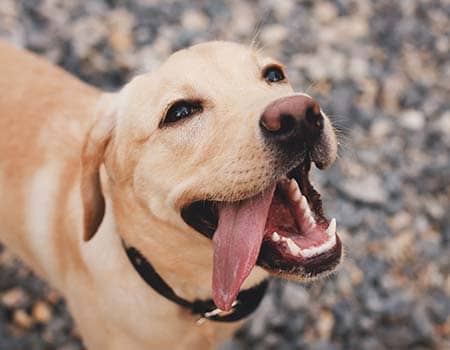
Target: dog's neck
182,257
246,301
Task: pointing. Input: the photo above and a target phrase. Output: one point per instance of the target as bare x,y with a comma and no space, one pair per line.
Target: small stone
423,323
325,12
400,220
194,20
351,28
369,87
380,128
434,208
373,301
243,20
22,319
442,125
325,324
15,297
367,190
283,9
121,23
295,297
87,32
271,341
392,89
356,274
412,120
41,312
400,247
274,34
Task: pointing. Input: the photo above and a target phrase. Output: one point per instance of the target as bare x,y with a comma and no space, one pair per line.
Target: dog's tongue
237,242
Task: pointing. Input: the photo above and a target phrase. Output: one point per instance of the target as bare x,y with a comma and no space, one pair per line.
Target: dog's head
216,143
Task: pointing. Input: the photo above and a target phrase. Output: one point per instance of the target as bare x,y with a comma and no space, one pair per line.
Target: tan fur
56,132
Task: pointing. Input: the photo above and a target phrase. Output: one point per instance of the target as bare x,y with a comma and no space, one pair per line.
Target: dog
159,211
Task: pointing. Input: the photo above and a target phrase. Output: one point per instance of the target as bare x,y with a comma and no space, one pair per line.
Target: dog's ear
92,157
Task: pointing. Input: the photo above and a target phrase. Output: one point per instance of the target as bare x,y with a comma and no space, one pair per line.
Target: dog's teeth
293,185
304,204
293,248
331,230
275,237
294,190
307,211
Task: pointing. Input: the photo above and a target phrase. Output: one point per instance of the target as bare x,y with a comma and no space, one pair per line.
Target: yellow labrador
160,210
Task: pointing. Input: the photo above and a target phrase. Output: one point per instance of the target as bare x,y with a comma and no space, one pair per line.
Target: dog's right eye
180,110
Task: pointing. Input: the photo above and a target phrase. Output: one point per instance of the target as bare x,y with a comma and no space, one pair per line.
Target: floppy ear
91,159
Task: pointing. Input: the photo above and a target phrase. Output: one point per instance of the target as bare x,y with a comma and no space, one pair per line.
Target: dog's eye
273,74
180,110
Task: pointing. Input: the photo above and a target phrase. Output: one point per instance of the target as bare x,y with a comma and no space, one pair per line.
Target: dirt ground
380,69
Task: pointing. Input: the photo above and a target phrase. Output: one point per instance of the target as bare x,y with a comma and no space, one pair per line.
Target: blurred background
380,69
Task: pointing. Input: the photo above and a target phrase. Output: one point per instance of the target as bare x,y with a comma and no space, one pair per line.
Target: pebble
412,120
194,20
295,297
367,190
120,27
400,220
13,298
22,319
41,312
283,9
244,20
442,125
273,35
391,92
326,324
325,12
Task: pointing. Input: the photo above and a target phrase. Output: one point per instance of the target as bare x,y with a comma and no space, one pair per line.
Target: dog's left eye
273,74
180,110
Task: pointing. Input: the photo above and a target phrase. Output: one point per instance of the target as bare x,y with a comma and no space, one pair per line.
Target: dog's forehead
227,59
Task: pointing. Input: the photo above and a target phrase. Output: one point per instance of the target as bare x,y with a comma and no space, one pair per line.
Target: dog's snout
293,119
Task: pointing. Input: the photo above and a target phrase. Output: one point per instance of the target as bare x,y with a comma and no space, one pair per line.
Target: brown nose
292,119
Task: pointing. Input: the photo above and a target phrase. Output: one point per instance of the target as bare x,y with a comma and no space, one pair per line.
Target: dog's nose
292,119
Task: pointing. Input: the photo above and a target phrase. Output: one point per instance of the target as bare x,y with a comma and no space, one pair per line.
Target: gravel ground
381,69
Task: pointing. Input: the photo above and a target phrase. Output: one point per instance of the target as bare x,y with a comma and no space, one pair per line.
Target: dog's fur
57,132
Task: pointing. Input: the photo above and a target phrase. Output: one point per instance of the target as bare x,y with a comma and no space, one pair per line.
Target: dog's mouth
282,229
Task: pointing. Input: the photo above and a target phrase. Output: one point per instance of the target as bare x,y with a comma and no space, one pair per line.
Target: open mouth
283,230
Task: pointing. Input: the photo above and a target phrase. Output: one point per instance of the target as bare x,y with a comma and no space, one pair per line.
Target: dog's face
216,143
196,121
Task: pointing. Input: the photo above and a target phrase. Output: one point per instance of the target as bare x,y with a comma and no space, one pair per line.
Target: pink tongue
237,242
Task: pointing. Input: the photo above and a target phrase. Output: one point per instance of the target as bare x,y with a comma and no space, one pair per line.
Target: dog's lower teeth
275,237
293,248
331,230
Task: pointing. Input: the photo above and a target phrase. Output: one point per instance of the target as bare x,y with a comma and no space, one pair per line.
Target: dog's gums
298,241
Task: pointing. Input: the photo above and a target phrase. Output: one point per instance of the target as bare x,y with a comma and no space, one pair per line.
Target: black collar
246,302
